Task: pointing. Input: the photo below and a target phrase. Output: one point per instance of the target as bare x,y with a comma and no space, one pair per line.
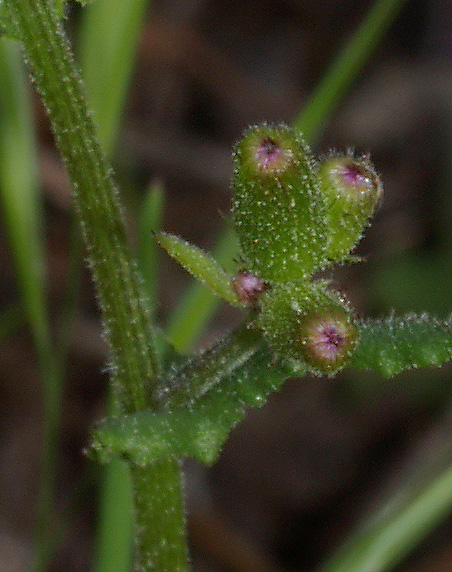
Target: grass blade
148,251
108,40
345,68
19,187
405,519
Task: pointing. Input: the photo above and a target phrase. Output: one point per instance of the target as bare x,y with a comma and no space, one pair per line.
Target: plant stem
126,315
158,500
201,373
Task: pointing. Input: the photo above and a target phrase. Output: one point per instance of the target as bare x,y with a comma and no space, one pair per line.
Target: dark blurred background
297,474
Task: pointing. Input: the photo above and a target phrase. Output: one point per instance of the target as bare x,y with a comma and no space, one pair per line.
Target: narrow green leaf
394,344
200,264
197,304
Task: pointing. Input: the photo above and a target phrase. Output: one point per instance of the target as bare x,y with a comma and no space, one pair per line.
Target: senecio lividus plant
295,217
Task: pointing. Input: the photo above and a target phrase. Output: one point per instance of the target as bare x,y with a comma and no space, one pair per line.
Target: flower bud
352,190
278,211
309,323
248,286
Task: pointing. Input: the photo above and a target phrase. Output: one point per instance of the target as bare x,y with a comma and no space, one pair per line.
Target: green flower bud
352,190
310,323
278,210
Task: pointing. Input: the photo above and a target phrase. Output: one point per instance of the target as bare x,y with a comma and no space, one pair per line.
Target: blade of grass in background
109,35
197,306
11,318
407,516
108,39
151,214
22,212
345,68
19,186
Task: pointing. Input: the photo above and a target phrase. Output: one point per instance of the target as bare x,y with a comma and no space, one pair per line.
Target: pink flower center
248,285
330,340
268,151
353,172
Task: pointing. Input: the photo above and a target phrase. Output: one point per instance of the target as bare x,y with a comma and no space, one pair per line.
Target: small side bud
248,286
278,211
329,337
310,323
352,190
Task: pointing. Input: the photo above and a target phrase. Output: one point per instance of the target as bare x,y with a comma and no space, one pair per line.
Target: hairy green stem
126,316
161,546
134,366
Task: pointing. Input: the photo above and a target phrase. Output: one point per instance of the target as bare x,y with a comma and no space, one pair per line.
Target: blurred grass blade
23,217
113,548
150,218
396,529
108,40
11,318
19,187
198,303
345,68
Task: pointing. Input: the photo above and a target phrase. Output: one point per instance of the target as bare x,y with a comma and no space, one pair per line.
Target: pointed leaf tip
200,264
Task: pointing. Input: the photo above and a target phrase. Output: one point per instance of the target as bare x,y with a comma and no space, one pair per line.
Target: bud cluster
293,215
